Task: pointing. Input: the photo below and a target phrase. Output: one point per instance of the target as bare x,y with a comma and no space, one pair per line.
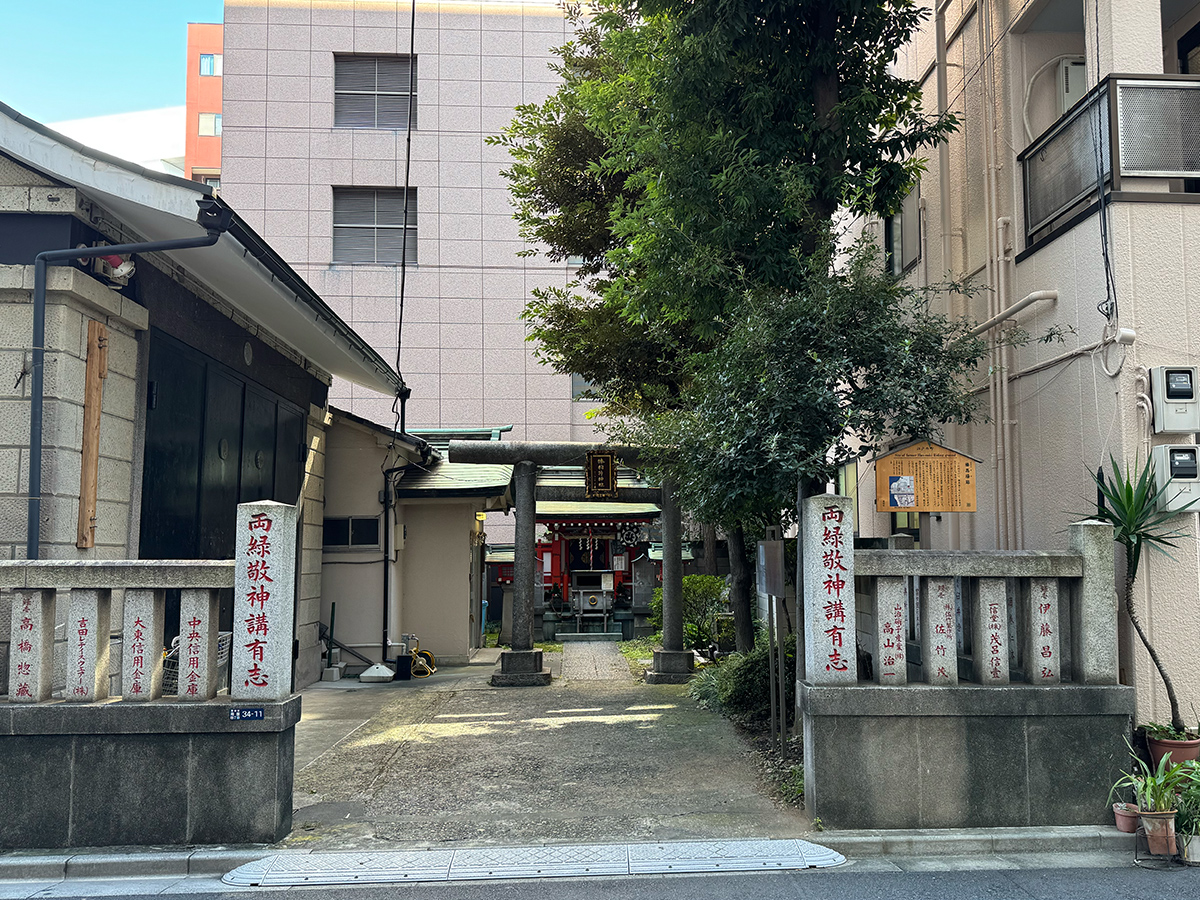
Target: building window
582,389
374,91
344,532
369,226
902,234
210,124
213,182
210,64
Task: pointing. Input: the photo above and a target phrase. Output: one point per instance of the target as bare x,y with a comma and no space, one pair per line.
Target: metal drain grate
391,867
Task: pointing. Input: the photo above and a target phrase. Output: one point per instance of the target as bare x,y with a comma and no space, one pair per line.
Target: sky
73,59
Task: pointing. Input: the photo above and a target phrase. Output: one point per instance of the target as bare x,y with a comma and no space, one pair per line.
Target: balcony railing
1156,135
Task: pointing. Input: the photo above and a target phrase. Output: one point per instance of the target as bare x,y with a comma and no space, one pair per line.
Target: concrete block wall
73,299
465,354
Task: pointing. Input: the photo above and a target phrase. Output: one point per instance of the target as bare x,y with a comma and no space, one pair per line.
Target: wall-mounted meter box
1176,396
1178,467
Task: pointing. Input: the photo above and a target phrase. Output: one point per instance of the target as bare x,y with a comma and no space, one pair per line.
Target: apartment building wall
1064,417
464,350
202,152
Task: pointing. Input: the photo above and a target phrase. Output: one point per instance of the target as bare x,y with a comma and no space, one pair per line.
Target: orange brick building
202,154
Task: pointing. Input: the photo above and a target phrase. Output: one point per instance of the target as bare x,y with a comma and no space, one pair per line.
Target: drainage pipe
943,102
211,217
1025,301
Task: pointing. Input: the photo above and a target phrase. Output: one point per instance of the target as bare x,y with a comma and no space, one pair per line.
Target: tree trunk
1176,716
739,590
709,534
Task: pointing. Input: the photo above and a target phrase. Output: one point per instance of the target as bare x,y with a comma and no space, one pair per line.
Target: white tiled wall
465,354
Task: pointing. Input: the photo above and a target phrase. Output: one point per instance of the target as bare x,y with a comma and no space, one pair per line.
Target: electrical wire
402,394
1108,306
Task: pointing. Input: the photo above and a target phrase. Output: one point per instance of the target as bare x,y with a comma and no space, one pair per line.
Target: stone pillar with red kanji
991,632
829,622
198,636
891,630
264,591
141,656
87,648
1042,662
31,651
939,631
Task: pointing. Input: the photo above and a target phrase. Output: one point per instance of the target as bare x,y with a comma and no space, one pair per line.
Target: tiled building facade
315,102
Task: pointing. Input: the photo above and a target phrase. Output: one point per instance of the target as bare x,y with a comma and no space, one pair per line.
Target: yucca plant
1130,505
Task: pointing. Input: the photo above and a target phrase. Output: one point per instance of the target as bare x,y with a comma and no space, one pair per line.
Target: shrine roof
500,553
440,438
655,551
450,479
241,269
572,476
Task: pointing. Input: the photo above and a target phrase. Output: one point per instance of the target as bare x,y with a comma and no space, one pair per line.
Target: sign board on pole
925,477
770,568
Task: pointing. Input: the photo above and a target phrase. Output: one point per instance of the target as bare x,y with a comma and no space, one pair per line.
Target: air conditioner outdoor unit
1072,82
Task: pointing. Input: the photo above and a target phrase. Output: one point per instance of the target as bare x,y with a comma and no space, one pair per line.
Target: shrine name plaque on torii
522,665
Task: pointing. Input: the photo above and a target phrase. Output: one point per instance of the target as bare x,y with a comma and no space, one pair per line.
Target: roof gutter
214,219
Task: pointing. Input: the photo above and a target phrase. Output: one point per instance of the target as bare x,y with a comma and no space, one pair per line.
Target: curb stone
109,862
112,863
965,841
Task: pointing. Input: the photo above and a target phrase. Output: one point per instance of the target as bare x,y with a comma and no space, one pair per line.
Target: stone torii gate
522,665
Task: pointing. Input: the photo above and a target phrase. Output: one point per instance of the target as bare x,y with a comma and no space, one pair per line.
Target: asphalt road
850,883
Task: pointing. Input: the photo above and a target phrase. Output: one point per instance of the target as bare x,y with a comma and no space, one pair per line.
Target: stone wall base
138,774
963,757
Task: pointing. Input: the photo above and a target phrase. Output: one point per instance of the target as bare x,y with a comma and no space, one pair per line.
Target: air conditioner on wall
1072,82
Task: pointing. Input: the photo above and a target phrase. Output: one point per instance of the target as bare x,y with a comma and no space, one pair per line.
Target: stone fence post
1095,612
31,653
830,626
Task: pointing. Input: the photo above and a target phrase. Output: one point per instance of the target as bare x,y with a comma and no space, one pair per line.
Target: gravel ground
595,756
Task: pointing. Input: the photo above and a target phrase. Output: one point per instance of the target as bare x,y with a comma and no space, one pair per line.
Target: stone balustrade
945,617
38,588
262,574
951,689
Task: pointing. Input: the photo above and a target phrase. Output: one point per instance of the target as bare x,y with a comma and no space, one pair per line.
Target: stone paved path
594,757
594,661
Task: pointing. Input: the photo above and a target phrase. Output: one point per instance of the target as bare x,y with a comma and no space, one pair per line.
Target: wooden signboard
925,477
600,475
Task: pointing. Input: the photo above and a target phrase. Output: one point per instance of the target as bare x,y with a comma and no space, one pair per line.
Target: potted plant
1163,739
1130,505
1157,790
1187,823
1127,815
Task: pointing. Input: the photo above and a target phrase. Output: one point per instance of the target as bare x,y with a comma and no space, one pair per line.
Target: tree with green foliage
703,601
695,157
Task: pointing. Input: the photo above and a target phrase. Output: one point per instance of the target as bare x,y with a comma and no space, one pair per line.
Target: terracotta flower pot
1160,832
1180,751
1127,817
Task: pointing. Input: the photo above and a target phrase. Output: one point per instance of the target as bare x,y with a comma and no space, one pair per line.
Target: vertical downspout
387,562
996,303
943,103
